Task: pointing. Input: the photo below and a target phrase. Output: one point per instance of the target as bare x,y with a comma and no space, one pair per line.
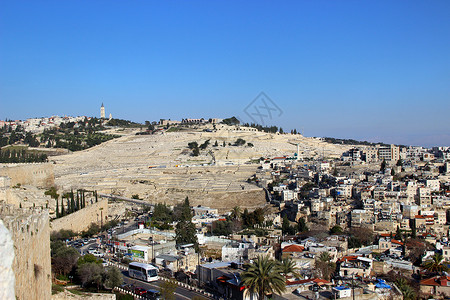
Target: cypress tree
57,208
72,202
62,207
78,200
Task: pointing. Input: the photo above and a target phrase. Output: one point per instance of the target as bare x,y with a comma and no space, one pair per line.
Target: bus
142,271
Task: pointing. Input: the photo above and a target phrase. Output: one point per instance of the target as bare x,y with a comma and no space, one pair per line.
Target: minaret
102,111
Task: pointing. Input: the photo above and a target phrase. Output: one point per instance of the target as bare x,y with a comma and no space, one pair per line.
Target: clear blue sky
370,70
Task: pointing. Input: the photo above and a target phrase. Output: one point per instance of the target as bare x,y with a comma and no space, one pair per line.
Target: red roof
428,235
293,248
303,281
348,258
396,242
437,280
320,281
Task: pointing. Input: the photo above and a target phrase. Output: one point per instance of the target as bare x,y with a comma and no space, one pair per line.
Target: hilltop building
102,112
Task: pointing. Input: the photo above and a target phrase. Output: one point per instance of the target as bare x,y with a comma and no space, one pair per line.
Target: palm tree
405,288
235,213
435,264
287,265
325,257
324,267
263,277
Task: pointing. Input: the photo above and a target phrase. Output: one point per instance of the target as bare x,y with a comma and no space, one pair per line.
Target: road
135,201
180,293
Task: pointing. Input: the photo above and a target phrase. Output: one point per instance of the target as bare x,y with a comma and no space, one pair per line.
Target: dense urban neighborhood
324,220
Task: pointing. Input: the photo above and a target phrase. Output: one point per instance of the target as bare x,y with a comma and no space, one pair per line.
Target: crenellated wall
80,220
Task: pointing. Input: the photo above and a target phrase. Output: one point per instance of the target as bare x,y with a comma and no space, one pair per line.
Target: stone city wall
39,174
80,220
32,264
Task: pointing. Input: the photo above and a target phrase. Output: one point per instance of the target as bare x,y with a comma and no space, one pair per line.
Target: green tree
88,259
52,192
413,230
302,227
113,278
91,274
239,142
235,213
62,207
263,277
167,289
336,229
288,266
324,266
94,228
406,289
286,227
72,202
383,166
185,232
435,264
231,121
63,258
204,145
398,234
57,208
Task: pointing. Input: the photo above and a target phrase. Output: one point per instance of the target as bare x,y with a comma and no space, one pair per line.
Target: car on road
97,253
128,287
153,295
140,291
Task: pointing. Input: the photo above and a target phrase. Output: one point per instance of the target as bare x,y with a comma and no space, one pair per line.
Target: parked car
97,253
140,291
128,287
153,295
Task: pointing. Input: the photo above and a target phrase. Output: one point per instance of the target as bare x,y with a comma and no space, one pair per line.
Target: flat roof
137,247
220,264
143,265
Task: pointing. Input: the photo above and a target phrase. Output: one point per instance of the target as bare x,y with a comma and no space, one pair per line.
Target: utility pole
353,288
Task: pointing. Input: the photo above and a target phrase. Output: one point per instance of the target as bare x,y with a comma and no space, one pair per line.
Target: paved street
180,293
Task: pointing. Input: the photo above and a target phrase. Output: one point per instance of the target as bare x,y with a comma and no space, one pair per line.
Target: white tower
102,111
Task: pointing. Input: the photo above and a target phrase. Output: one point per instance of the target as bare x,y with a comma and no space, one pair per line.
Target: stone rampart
32,264
81,219
39,174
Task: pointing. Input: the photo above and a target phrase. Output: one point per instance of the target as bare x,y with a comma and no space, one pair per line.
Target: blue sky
369,70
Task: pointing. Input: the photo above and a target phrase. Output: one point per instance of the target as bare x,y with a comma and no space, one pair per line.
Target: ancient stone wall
32,264
39,174
80,220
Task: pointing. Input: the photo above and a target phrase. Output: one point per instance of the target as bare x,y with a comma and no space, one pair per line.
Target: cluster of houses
400,195
408,197
38,125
